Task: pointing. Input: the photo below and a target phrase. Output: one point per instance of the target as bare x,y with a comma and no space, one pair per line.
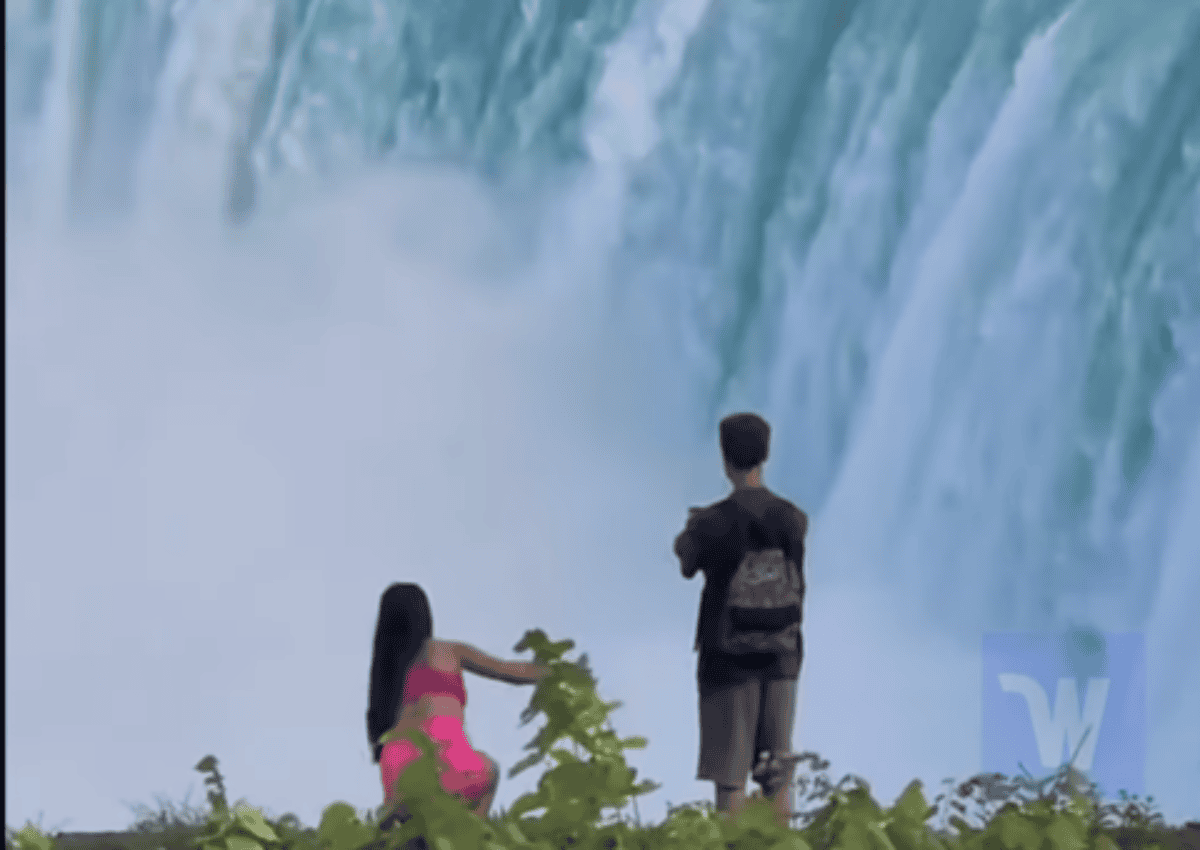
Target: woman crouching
417,683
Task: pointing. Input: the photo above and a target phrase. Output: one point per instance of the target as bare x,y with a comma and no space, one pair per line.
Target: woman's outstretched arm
511,672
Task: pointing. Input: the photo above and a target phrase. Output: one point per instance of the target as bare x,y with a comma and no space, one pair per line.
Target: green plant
584,782
216,794
581,799
28,837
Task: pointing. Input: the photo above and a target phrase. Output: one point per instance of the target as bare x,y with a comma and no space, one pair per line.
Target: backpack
761,612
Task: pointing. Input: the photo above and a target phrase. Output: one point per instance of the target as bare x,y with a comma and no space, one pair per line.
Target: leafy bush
581,797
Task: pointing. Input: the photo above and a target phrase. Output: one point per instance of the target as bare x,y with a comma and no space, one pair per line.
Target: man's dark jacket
714,542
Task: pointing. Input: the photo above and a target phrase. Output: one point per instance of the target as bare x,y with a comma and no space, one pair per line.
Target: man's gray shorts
741,721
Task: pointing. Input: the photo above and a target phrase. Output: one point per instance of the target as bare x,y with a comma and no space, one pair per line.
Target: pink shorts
465,771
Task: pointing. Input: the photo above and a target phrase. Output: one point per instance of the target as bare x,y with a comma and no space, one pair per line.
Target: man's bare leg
730,799
782,801
777,774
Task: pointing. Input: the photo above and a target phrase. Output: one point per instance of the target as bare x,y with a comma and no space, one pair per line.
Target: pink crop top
427,681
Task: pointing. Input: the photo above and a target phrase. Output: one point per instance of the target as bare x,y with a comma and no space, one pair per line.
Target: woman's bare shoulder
445,655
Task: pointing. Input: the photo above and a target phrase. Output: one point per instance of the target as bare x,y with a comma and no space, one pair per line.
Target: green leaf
524,764
1063,835
855,837
911,807
882,840
564,756
254,823
29,837
515,834
233,841
906,835
335,815
340,828
391,735
218,824
1041,810
793,841
1017,833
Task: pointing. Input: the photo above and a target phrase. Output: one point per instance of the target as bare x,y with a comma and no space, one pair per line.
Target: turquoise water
951,250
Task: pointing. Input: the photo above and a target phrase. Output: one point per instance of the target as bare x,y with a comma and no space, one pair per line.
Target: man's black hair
745,440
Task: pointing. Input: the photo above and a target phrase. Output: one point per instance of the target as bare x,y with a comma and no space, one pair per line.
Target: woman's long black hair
404,623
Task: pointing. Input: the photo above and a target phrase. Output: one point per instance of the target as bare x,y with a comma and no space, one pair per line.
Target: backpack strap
744,522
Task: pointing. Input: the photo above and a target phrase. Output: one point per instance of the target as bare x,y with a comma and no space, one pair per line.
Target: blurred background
309,296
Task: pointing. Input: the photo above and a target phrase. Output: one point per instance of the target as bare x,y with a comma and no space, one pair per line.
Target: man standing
747,700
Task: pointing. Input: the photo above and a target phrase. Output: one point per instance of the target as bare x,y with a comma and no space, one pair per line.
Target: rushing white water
951,251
